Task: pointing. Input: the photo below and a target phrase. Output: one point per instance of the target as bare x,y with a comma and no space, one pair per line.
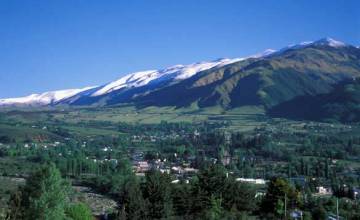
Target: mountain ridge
136,79
310,69
267,79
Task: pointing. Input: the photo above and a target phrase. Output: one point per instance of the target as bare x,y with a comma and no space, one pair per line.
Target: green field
103,121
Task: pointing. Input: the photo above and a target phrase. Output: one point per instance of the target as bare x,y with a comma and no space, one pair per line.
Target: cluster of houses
181,170
154,138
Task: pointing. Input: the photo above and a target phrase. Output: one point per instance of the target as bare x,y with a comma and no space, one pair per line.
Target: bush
79,211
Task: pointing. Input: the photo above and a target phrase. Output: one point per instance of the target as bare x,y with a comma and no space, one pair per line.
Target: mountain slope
123,89
146,80
126,88
307,69
341,104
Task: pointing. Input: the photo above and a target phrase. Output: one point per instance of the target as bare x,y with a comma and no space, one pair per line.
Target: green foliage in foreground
45,196
322,159
211,196
79,211
278,192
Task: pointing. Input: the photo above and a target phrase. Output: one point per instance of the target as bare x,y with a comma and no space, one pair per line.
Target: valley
180,110
96,148
262,137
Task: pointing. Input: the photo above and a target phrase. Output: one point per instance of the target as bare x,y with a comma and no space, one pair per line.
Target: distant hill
342,104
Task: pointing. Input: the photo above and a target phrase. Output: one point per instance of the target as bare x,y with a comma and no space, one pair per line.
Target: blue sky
59,44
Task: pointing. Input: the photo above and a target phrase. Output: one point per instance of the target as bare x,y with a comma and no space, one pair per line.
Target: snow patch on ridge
265,53
132,80
174,73
330,42
324,41
43,98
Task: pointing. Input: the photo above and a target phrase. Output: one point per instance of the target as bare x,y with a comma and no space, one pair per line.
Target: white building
251,180
323,190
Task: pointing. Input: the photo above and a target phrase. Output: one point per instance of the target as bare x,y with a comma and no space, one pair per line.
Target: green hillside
311,70
342,104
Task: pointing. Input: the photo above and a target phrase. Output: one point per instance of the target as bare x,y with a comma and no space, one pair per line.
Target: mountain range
274,79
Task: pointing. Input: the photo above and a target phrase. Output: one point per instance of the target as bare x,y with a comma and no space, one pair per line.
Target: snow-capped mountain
171,74
180,72
330,42
141,83
322,42
175,73
45,98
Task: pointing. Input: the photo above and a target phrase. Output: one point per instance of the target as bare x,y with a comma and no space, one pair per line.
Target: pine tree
133,204
277,190
215,211
239,195
43,197
158,192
